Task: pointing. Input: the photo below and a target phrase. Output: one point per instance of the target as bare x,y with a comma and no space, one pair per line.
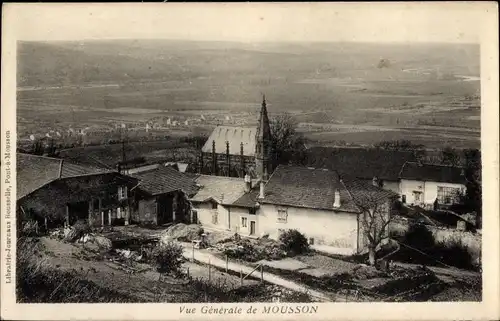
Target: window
214,205
447,195
417,196
244,222
122,192
251,211
282,215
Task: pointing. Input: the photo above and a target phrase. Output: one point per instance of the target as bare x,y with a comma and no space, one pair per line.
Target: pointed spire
263,130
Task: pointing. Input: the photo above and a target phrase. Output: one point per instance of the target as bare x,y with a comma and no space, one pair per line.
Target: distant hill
52,64
66,63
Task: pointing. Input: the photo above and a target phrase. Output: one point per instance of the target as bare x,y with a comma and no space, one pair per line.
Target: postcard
253,161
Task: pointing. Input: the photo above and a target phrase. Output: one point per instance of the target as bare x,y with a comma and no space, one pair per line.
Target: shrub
168,257
419,236
79,229
294,242
455,254
30,228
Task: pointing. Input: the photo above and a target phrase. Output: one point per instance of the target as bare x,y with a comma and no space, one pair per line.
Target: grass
39,283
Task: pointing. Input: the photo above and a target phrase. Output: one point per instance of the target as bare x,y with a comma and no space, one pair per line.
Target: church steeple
263,144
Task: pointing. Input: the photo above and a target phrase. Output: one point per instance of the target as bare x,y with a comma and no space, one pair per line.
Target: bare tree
375,218
287,144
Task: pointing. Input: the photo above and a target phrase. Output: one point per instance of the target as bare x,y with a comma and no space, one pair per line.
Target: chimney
375,181
248,183
261,193
336,199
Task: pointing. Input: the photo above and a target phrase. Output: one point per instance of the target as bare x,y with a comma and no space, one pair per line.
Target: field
425,93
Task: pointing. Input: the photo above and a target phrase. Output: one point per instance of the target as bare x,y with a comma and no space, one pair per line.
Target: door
417,197
252,227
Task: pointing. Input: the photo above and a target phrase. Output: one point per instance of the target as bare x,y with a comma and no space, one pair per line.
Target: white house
214,205
316,202
423,184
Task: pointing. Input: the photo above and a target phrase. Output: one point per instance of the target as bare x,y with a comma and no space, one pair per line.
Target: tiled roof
359,162
307,187
434,173
224,190
34,171
248,199
164,179
235,136
364,192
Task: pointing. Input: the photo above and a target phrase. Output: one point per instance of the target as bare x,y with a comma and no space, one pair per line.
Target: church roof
235,136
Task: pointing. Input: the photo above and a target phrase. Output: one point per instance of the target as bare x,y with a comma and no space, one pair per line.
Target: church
237,151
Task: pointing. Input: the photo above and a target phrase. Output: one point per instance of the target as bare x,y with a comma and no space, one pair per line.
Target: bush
294,242
30,228
419,237
168,257
454,254
79,229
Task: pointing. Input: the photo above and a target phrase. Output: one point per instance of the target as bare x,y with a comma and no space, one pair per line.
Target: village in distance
183,171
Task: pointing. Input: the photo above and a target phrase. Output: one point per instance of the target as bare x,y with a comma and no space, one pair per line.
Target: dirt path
206,257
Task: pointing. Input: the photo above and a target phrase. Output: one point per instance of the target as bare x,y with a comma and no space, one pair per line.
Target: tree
472,172
449,156
287,144
375,217
37,148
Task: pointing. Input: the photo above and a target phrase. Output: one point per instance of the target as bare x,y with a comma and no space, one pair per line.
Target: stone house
316,202
61,192
424,184
161,195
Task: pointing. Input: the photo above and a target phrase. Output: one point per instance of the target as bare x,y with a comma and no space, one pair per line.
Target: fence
226,269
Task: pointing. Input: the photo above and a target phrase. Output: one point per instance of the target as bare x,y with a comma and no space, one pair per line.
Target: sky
250,22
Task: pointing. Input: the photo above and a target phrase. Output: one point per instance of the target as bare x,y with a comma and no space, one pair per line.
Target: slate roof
359,162
224,190
235,136
34,171
164,179
364,192
434,173
307,187
292,186
248,199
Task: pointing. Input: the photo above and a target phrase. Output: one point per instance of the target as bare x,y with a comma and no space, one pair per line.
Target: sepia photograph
287,157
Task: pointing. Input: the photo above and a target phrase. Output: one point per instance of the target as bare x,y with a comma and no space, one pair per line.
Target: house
215,205
236,151
368,164
63,192
161,196
423,184
316,202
